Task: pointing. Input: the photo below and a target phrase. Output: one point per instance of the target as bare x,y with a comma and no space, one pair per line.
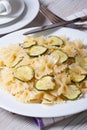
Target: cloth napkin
2,8
44,122
5,7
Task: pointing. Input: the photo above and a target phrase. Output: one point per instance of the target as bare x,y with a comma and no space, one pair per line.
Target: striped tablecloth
9,121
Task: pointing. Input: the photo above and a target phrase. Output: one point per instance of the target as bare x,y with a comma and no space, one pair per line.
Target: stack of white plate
23,12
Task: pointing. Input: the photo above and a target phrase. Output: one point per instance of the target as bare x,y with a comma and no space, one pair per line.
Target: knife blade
46,27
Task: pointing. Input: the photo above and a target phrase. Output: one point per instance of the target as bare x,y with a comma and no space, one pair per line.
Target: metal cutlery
56,19
46,27
50,15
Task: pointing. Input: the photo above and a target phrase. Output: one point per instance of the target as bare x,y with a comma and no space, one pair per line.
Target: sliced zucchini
45,83
72,92
37,50
55,41
17,61
26,44
82,61
75,77
62,55
24,73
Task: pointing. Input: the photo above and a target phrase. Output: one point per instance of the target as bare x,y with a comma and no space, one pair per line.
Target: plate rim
74,104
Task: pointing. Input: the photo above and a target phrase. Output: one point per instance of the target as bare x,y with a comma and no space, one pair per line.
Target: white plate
30,12
38,110
17,10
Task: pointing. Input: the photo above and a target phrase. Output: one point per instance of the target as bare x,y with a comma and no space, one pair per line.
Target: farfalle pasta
45,70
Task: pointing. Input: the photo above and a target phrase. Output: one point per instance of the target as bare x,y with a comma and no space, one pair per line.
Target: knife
46,27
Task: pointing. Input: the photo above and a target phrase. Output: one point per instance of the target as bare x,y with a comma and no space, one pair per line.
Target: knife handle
80,19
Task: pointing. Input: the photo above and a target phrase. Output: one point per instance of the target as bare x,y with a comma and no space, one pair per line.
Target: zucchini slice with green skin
62,55
82,61
75,77
72,92
56,41
24,73
46,83
26,45
37,50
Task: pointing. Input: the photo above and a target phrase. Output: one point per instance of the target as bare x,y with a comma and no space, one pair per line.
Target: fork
50,15
56,19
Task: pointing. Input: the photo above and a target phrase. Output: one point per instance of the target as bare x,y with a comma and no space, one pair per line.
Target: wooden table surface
9,121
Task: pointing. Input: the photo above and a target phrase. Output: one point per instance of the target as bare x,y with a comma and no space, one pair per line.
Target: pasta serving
45,70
